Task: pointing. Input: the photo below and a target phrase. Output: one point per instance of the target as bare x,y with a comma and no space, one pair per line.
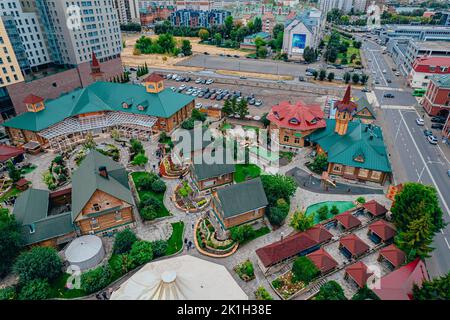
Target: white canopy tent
85,252
180,278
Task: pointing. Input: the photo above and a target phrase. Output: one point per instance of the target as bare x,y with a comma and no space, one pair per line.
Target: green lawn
12,192
246,171
175,242
227,126
29,169
258,233
59,290
341,205
160,196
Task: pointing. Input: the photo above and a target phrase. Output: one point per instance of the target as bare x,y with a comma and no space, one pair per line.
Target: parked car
207,95
187,79
420,121
432,139
236,56
206,53
209,81
252,101
213,96
201,94
438,126
427,133
389,95
397,74
258,102
173,89
438,119
169,76
388,80
198,105
174,76
365,89
448,173
198,80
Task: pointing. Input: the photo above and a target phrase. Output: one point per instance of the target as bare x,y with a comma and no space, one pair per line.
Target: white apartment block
29,29
128,10
203,5
344,5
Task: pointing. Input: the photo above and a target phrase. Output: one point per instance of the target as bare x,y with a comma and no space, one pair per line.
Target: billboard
298,42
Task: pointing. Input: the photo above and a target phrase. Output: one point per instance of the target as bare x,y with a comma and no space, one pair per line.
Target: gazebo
352,246
347,221
374,208
180,278
358,273
393,256
323,261
381,231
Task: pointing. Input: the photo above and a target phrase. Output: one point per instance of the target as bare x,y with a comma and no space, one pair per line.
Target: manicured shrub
123,241
334,210
158,186
8,293
37,289
95,279
361,200
148,213
304,270
38,263
322,212
150,200
262,294
141,252
331,291
159,248
145,182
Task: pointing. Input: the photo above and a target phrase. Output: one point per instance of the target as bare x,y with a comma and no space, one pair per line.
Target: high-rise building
344,5
9,66
203,5
128,10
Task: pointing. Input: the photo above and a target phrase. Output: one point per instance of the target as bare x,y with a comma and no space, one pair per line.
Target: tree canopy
436,289
304,270
10,241
331,291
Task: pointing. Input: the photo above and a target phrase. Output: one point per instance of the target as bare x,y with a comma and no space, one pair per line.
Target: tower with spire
96,71
345,110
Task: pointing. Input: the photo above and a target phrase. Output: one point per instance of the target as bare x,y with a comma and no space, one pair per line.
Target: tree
14,173
357,44
322,74
140,159
278,28
344,61
257,25
141,252
228,23
166,42
319,164
278,187
227,109
136,146
365,293
145,182
186,47
10,241
123,241
261,52
158,186
331,54
414,201
277,214
7,293
203,34
415,241
242,108
217,38
355,78
300,221
96,279
264,120
159,248
331,291
37,289
38,263
347,77
148,213
364,78
334,210
304,270
315,74
330,76
435,289
361,200
197,115
322,212
309,54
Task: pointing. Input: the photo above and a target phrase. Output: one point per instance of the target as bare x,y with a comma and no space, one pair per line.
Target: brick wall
54,85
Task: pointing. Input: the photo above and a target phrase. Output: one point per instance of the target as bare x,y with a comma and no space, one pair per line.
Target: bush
262,294
37,289
159,248
364,294
96,279
242,233
331,291
10,241
151,200
334,210
188,124
277,215
361,200
140,159
158,186
148,213
322,212
304,270
145,182
8,293
141,252
38,263
277,283
123,241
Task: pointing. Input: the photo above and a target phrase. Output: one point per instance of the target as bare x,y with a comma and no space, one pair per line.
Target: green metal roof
363,103
86,180
31,206
101,96
205,171
357,142
242,197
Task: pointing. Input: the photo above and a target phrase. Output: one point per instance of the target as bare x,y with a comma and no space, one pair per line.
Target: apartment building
203,5
198,18
128,11
9,67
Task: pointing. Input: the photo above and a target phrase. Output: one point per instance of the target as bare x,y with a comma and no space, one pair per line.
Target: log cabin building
99,202
136,111
210,176
238,204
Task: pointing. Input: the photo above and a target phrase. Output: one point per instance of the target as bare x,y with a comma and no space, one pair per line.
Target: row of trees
336,46
231,107
123,78
164,44
142,70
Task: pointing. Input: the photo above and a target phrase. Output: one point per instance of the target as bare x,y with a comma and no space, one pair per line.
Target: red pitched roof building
392,255
352,246
358,273
319,234
290,123
347,220
398,284
424,67
436,101
381,231
323,261
10,152
374,208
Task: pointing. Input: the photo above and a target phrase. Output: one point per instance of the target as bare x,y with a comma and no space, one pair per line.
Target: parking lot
264,98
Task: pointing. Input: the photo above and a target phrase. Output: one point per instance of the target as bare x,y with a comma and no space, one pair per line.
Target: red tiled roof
154,77
346,104
323,261
398,284
375,208
383,229
348,220
8,152
319,233
394,255
354,244
284,113
32,99
358,272
423,64
283,249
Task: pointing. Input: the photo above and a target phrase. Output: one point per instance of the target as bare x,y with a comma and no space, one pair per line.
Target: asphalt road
413,158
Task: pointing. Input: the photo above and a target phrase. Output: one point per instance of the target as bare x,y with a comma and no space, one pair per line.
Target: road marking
397,107
448,245
426,166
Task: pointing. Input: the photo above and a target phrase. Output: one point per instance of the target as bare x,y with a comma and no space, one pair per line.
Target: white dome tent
180,278
85,252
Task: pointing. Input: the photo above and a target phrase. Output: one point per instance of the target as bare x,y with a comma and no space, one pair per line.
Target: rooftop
383,229
7,152
443,81
298,116
323,261
359,273
374,208
348,220
354,244
205,171
432,45
394,255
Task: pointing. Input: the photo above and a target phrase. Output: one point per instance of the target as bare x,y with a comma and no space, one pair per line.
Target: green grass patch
163,212
287,155
29,169
258,233
59,290
341,205
11,193
246,171
175,242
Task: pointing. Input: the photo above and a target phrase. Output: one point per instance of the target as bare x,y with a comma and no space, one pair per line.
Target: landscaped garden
246,172
328,209
150,189
245,270
262,294
207,241
187,198
169,169
246,233
57,173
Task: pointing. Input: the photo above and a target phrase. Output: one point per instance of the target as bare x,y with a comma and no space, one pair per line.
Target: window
286,138
297,140
349,170
376,175
96,206
118,215
337,168
94,223
363,173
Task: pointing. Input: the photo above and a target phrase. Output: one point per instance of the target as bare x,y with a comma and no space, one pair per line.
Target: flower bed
207,241
245,270
285,287
169,169
186,198
57,173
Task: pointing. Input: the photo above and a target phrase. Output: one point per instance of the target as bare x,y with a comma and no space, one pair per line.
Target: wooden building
207,176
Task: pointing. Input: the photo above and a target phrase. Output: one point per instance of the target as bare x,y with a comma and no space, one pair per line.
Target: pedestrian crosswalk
397,107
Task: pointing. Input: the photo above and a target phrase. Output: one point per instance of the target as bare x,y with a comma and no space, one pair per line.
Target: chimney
103,172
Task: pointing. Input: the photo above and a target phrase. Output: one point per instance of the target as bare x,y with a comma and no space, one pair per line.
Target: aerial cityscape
225,150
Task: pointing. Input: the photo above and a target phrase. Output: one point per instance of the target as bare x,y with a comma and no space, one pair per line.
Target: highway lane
415,158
